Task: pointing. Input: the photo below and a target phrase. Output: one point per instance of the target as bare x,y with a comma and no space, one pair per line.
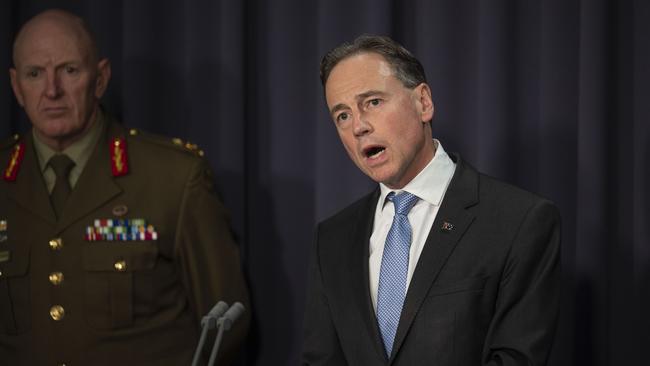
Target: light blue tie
394,268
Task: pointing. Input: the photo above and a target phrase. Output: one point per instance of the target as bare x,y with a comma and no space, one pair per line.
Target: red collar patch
119,157
15,159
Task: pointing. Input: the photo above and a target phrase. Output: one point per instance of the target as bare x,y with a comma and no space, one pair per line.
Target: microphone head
218,310
235,311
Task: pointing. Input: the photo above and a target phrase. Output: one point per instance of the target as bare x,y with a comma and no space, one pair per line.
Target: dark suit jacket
484,292
144,313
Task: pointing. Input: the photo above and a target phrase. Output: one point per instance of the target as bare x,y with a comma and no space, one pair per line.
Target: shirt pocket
14,292
114,285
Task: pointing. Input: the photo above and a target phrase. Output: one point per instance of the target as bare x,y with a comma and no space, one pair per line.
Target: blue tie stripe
394,268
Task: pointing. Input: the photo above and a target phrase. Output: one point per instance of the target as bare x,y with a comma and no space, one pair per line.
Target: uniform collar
79,151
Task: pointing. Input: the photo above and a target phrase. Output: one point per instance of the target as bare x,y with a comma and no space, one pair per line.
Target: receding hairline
61,18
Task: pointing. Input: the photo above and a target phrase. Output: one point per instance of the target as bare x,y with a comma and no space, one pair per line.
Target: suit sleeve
523,327
321,345
208,257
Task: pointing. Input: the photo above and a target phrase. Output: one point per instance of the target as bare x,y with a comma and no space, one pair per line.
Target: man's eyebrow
369,93
337,108
358,97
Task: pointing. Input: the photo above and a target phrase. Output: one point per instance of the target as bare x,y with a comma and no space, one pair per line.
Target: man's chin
380,176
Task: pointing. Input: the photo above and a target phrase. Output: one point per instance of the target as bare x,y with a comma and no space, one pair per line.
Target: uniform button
120,265
57,312
0,273
56,278
56,244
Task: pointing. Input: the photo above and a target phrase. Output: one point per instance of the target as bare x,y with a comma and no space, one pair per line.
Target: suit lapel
360,272
96,185
462,193
29,188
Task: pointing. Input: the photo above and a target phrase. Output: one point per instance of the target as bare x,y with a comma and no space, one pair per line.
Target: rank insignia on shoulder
119,157
15,159
120,230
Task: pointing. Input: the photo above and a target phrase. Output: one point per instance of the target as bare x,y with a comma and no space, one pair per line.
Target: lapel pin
120,210
447,226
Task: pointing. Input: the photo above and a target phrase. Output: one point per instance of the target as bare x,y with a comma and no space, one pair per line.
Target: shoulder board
174,143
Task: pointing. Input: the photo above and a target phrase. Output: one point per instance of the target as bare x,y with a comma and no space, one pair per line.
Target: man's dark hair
406,67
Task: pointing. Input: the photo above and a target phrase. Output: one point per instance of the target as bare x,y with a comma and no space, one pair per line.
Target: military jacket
141,252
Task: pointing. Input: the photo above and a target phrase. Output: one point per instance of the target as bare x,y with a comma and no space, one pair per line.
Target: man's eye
374,102
70,69
33,73
342,117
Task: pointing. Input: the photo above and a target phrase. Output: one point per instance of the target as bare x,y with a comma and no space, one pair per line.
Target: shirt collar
432,182
79,151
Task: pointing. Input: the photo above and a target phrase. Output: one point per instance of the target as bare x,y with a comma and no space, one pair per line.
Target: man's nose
53,86
362,125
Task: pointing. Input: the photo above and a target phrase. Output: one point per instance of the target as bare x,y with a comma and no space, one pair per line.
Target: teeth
379,152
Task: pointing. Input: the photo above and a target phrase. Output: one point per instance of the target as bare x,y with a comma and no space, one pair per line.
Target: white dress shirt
430,186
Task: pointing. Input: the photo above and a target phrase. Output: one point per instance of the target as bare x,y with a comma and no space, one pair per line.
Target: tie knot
403,202
61,164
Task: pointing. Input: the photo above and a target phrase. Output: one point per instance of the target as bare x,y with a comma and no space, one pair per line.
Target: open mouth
373,152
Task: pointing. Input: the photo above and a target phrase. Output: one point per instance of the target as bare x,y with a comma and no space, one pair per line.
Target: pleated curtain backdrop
551,95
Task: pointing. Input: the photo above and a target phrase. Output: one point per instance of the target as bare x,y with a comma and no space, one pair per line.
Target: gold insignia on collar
15,159
119,157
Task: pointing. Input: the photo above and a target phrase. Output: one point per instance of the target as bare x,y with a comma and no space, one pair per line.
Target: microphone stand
224,323
208,322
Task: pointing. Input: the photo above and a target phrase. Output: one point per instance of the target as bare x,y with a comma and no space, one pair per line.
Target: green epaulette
174,143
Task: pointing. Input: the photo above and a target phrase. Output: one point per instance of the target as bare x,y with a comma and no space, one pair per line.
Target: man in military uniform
113,243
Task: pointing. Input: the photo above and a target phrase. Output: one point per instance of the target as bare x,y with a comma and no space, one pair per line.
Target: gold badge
120,210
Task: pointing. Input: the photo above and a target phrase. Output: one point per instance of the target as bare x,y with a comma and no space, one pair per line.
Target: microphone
208,322
225,323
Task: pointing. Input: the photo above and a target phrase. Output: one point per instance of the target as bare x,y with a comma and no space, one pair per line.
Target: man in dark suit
440,265
113,243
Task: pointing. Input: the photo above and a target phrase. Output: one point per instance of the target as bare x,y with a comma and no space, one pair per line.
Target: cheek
348,143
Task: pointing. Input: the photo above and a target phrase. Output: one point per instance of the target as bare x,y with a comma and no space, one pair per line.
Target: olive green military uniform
69,297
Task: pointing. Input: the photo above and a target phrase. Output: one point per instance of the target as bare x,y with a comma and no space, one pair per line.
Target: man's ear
103,77
14,85
424,102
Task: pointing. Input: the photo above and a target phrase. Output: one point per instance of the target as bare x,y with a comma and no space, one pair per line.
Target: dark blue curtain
551,95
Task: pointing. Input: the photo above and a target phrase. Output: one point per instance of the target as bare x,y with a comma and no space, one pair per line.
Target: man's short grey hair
406,67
